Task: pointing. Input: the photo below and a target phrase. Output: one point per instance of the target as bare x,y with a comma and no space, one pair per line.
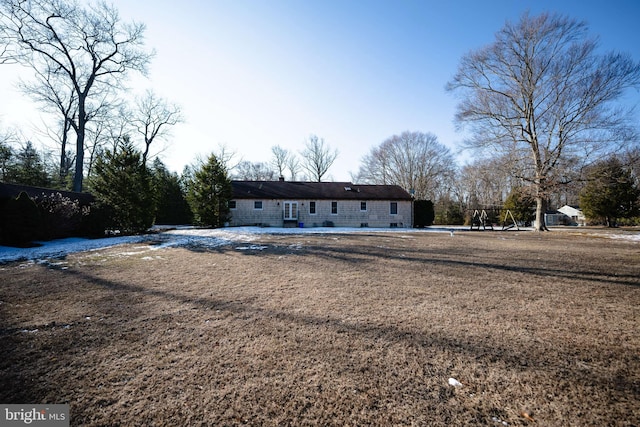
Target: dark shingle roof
316,190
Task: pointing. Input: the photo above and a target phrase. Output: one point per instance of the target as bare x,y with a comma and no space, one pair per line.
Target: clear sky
251,74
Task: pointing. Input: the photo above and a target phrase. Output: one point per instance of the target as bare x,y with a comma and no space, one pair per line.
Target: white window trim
261,205
391,204
315,207
336,213
284,207
366,206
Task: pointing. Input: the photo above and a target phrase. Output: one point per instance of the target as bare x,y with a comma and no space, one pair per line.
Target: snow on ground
201,238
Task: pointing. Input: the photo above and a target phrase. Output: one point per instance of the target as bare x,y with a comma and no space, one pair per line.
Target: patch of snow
60,248
251,248
632,237
454,382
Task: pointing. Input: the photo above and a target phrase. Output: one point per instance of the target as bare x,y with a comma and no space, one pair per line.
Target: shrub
20,221
60,216
423,213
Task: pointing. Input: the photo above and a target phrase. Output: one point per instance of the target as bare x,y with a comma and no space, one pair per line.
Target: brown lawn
541,329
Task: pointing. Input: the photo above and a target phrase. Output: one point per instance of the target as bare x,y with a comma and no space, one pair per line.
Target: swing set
480,218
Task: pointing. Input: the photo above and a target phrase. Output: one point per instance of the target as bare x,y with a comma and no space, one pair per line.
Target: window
312,208
232,204
334,208
363,206
257,205
393,208
290,210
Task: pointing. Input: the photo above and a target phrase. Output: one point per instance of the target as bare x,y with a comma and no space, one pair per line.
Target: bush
95,220
423,213
20,221
60,216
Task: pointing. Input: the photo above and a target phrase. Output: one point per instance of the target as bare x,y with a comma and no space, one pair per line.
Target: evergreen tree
521,205
171,201
6,155
209,193
611,192
121,183
27,168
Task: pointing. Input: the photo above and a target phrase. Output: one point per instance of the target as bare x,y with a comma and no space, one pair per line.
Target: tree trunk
82,122
540,224
62,173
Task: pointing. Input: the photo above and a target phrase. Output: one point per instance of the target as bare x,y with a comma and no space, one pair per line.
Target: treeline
126,197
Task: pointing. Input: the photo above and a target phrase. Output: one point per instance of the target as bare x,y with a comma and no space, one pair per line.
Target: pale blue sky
254,74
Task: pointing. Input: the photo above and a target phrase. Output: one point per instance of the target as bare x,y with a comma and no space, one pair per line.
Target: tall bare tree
280,158
416,161
152,118
542,93
89,49
293,166
58,98
317,158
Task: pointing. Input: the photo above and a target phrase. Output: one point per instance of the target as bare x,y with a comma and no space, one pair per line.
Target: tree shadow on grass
33,360
550,269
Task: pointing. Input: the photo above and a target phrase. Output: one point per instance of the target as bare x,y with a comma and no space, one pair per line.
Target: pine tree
521,205
27,168
611,192
171,201
209,193
122,184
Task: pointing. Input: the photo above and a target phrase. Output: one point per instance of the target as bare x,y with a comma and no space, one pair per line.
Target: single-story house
566,215
319,204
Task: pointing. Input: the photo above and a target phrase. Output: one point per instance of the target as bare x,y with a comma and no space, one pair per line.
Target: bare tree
89,49
416,161
542,93
225,155
152,117
317,158
293,166
486,182
250,171
280,158
57,97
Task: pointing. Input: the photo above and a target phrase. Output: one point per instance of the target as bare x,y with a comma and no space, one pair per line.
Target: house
576,215
566,215
319,204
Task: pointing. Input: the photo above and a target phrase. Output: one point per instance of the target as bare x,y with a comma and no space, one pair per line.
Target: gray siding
377,213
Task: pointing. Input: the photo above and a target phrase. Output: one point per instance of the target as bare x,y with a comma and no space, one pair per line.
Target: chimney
281,179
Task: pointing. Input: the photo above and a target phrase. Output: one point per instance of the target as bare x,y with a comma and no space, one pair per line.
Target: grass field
335,329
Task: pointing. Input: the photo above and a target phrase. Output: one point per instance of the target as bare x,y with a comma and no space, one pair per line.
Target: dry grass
361,329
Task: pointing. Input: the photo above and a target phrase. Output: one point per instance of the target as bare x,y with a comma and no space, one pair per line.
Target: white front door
290,210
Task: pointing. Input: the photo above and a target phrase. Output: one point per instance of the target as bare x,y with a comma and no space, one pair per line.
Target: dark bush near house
60,216
423,213
20,219
96,218
49,216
